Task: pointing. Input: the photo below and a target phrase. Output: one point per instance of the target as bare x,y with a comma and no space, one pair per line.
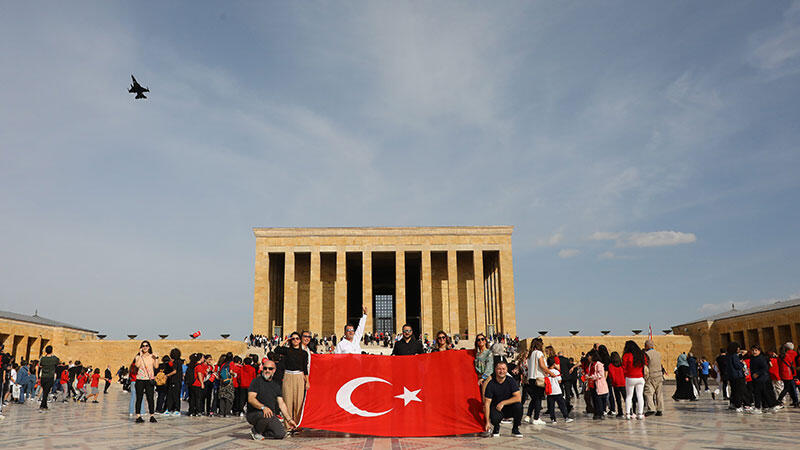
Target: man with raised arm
351,344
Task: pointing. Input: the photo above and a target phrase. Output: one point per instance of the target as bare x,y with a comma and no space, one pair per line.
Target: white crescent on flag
344,393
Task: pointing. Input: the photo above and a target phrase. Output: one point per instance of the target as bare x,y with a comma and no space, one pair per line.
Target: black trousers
513,410
70,389
788,388
738,392
619,396
195,400
144,388
105,389
240,399
270,428
600,403
208,390
161,398
704,379
47,386
724,388
761,397
552,401
537,394
174,398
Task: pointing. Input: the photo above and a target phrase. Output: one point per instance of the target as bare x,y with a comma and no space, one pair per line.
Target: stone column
469,291
289,295
315,294
340,293
426,295
508,316
366,278
480,300
399,290
261,317
452,292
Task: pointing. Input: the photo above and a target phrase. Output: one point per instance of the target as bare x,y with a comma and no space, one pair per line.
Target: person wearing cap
653,380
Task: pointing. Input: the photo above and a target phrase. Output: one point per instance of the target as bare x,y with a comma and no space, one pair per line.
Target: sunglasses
441,337
306,336
269,368
295,338
144,345
480,339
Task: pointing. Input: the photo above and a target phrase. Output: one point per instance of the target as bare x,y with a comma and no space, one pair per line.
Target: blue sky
646,152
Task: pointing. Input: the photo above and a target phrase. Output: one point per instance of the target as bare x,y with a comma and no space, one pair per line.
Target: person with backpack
161,384
226,389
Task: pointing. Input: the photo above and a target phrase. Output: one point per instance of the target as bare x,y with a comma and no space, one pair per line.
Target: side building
456,279
770,326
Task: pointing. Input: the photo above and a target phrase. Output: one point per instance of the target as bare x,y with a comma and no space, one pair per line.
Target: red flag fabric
433,394
196,334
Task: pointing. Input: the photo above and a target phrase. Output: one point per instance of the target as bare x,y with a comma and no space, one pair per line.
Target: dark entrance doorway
383,291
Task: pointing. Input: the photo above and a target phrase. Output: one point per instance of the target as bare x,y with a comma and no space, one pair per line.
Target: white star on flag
409,396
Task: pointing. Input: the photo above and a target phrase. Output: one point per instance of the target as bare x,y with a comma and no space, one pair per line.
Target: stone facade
456,279
769,326
669,346
114,354
26,337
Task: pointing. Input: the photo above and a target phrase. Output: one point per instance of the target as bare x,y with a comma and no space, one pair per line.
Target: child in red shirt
95,384
617,374
81,380
64,381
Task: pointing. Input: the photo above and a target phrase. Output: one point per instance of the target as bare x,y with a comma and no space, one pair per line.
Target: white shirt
534,371
353,347
556,388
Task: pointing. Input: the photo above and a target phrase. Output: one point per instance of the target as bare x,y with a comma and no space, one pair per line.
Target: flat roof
39,320
744,312
384,231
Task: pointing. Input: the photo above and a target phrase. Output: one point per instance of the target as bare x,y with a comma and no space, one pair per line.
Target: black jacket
412,347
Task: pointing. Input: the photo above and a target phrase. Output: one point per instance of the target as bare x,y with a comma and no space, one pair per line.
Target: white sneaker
526,419
554,422
256,436
538,422
640,417
739,409
568,420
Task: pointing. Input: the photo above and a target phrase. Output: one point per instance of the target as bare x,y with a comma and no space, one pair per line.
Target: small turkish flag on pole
196,334
433,394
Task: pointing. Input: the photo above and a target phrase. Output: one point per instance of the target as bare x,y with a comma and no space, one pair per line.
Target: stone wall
25,340
669,346
114,354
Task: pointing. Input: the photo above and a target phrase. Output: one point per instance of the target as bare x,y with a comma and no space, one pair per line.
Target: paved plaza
702,424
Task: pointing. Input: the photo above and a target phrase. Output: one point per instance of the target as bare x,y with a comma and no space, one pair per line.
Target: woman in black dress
683,384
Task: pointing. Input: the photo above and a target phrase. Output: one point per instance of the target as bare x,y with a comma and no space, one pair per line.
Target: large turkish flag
434,394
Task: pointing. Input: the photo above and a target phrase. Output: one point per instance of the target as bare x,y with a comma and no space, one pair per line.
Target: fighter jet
137,89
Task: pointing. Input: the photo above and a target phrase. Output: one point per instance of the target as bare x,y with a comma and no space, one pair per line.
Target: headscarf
682,360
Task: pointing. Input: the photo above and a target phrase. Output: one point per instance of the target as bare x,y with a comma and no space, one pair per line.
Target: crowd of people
628,386
269,391
48,380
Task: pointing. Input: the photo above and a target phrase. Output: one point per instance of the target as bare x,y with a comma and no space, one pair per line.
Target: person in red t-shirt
617,374
633,362
787,371
81,382
64,381
246,374
200,376
208,387
95,384
236,373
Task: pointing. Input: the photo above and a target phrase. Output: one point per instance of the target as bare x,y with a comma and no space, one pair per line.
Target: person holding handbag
146,362
537,370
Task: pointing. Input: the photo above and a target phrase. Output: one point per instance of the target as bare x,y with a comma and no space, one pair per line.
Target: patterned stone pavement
702,424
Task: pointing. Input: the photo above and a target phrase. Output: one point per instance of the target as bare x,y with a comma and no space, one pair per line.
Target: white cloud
776,50
552,240
568,253
606,255
651,239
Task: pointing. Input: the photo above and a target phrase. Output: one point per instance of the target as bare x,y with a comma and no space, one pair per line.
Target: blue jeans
22,389
132,407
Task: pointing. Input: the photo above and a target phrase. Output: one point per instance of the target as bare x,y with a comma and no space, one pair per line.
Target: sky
645,152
